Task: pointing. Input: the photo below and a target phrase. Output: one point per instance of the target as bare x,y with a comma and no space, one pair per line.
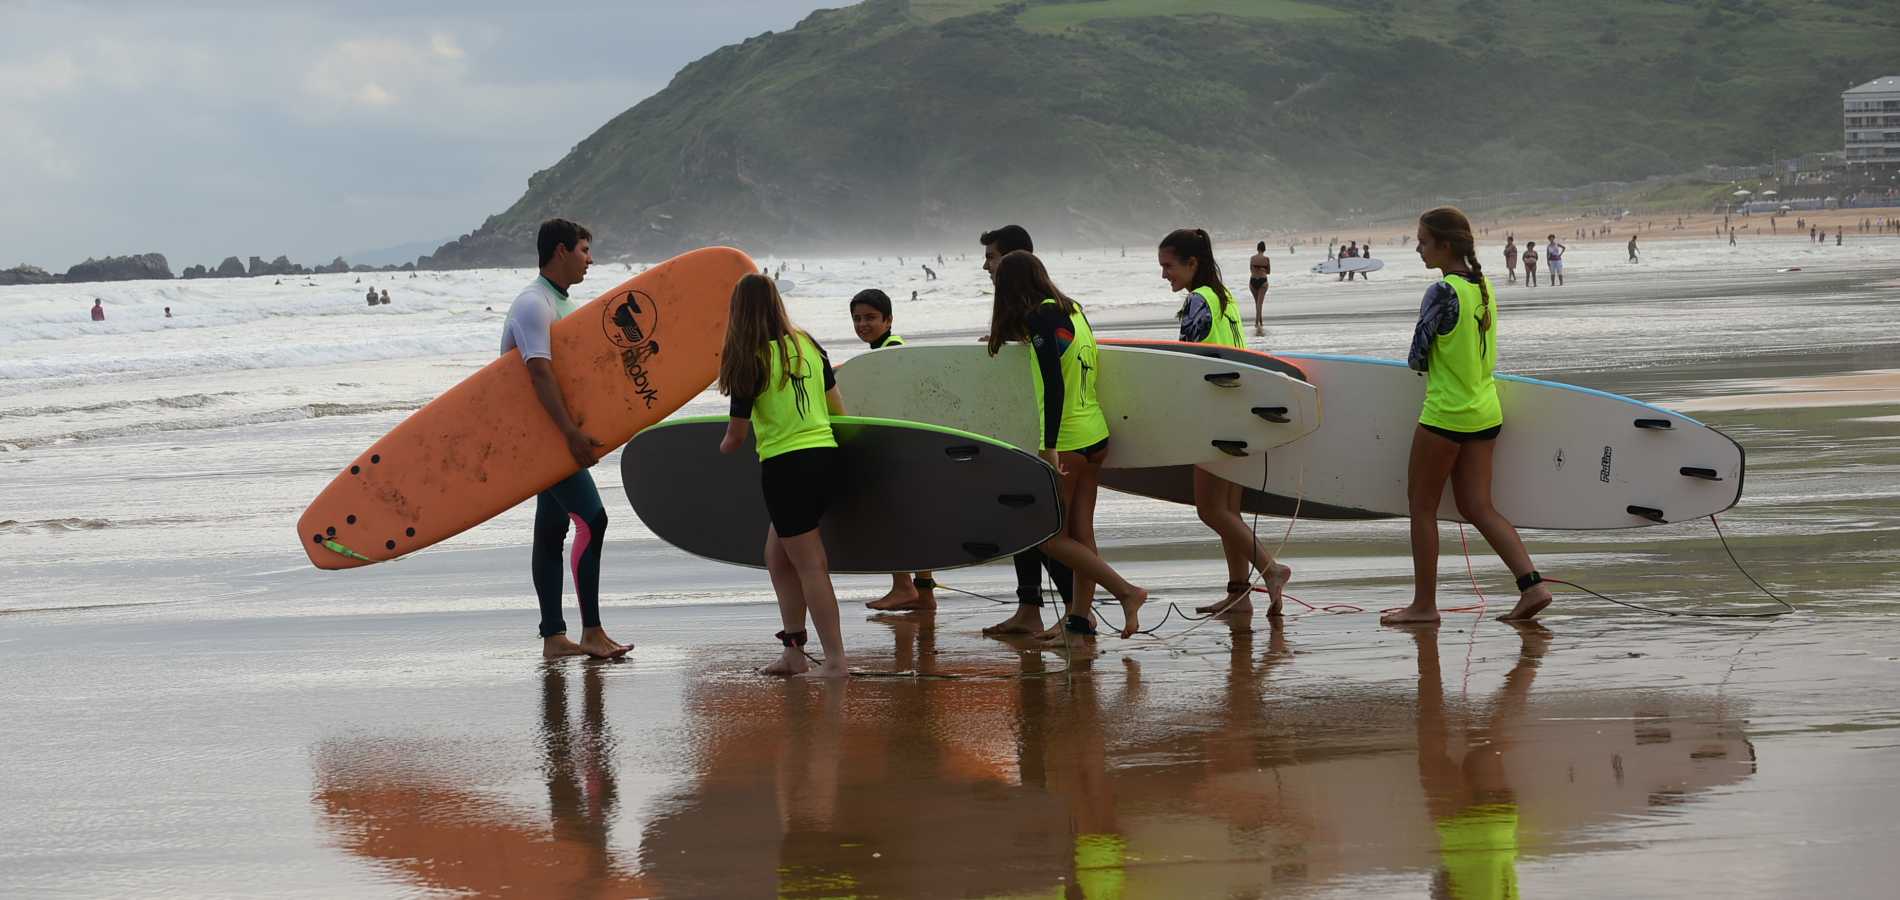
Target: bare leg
791,604
1217,500
807,553
1077,550
1471,485
1431,462
1260,311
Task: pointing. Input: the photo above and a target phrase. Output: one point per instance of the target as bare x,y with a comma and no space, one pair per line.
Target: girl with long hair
1455,348
1064,365
1187,264
782,387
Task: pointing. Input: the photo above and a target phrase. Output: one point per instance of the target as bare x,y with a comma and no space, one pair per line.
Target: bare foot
917,601
790,662
832,667
897,598
1529,604
596,643
1131,610
1026,620
559,645
1277,577
1059,633
1411,615
1239,603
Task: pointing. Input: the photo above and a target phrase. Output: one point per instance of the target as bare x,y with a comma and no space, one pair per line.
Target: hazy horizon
202,130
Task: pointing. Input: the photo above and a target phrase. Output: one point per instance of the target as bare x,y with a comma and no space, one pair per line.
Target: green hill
906,123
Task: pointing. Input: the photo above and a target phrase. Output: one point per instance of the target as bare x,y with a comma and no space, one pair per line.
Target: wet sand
179,722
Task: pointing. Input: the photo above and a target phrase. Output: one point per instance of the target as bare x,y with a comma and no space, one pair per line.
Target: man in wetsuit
565,252
1258,268
1028,616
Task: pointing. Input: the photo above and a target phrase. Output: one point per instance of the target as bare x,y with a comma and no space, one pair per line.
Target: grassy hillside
900,122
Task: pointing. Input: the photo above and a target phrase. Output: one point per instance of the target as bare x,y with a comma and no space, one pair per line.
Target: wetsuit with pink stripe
575,500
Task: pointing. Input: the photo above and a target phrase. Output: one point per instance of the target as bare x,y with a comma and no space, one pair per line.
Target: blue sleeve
1437,315
1050,333
1197,321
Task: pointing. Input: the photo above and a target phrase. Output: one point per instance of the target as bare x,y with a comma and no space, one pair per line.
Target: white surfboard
1163,409
1568,457
1351,264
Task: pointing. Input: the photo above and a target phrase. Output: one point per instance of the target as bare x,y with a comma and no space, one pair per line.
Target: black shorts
1464,436
1257,282
1093,452
798,486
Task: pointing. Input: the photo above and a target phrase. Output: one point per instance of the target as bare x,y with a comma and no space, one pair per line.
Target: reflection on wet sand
1093,781
432,829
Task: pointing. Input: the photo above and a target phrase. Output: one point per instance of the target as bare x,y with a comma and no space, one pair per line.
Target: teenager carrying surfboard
1455,348
873,321
782,386
1187,263
1028,308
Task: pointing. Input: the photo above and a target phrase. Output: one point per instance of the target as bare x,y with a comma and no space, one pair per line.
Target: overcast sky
207,129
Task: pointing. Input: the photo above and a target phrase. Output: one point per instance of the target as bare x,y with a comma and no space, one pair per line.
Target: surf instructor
565,253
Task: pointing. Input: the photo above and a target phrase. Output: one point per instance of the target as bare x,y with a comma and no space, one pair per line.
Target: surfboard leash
1785,609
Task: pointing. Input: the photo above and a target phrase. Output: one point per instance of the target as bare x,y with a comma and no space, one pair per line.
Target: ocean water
149,460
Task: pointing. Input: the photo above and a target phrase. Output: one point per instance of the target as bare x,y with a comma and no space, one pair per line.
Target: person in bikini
1258,268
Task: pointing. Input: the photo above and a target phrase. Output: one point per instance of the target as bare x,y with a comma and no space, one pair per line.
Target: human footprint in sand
767,367
1064,364
1455,347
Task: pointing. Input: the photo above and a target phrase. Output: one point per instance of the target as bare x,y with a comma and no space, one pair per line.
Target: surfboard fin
1015,501
1656,424
1223,379
1700,472
1274,414
1650,513
1231,448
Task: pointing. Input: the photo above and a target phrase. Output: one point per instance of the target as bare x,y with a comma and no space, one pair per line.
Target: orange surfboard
624,361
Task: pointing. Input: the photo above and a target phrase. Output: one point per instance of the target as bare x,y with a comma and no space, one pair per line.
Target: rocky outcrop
336,267
120,268
25,274
279,266
230,268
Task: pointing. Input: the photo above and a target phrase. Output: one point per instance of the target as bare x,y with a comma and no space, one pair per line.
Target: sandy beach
195,711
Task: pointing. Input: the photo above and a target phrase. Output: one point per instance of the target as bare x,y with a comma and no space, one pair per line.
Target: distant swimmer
1530,263
371,297
98,310
1065,369
1187,264
872,319
1455,349
1031,563
1633,248
565,252
168,312
784,394
1510,256
1554,260
385,299
913,296
1258,268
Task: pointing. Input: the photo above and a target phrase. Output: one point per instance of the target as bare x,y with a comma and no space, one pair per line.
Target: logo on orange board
630,320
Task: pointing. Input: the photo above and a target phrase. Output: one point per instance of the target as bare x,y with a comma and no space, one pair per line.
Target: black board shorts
798,487
1464,436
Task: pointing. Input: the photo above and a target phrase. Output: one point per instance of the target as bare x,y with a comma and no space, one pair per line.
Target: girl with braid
1455,348
1211,316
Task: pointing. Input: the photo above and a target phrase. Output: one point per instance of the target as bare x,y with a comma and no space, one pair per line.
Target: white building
1870,115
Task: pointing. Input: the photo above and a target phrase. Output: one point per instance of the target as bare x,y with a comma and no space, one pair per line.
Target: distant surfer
1258,268
1064,361
1554,260
1455,349
565,253
872,319
98,310
1031,563
1187,264
782,387
1510,256
1530,263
